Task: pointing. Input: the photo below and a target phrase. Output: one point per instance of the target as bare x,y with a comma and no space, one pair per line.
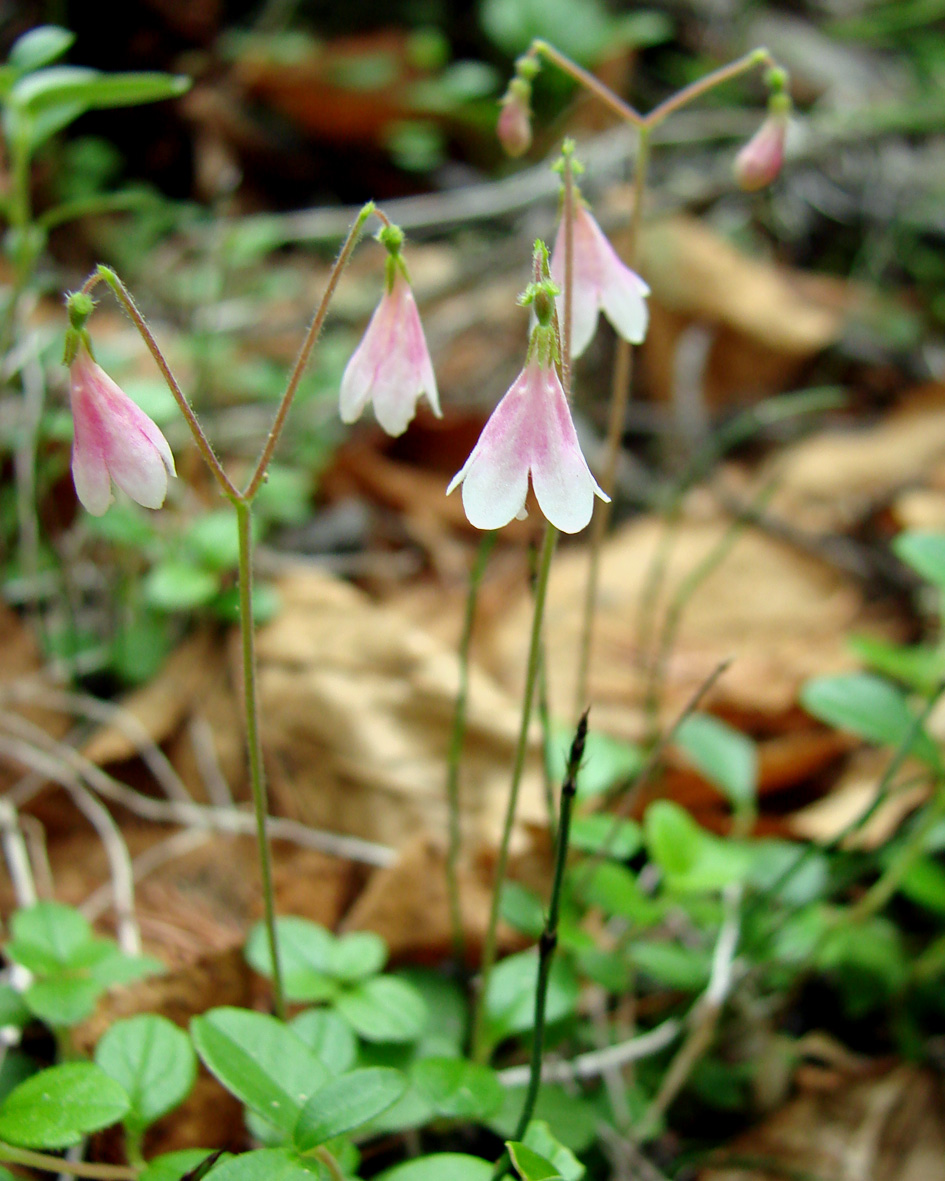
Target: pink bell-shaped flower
114,440
391,367
600,281
760,160
530,434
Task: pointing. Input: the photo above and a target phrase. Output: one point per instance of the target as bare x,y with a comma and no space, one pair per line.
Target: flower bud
514,127
760,160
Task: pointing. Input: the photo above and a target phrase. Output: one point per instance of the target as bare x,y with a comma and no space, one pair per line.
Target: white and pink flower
391,366
601,281
760,160
114,440
530,434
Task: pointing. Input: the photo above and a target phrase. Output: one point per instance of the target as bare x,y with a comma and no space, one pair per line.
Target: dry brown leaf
779,615
358,709
850,798
883,1127
407,906
832,481
761,322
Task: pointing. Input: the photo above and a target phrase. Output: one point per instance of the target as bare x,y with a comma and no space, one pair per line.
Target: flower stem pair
108,424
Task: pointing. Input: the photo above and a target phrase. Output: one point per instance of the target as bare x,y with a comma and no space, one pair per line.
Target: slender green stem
457,738
123,295
479,1045
549,936
305,352
588,81
58,1164
257,778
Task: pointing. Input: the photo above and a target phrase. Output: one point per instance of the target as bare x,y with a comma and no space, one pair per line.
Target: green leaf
62,1001
304,954
48,936
444,1033
510,1000
531,1165
539,1137
586,29
458,1088
694,861
179,586
917,667
214,540
269,1164
263,1063
440,1166
615,889
331,1038
57,1107
869,707
924,552
114,966
924,884
622,837
573,1117
39,47
91,89
357,955
153,1060
522,909
13,1010
176,1166
671,964
346,1103
384,1009
725,756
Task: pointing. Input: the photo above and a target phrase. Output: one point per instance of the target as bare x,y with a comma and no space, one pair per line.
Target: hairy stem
57,1164
123,295
305,352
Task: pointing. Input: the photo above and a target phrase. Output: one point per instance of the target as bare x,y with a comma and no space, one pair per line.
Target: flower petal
495,476
93,484
564,486
623,298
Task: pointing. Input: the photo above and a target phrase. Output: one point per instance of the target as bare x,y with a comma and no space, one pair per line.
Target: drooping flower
530,434
114,440
391,367
514,127
760,160
601,281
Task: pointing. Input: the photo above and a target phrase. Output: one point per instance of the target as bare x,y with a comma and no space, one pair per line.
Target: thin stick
223,820
56,1164
595,1063
17,857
